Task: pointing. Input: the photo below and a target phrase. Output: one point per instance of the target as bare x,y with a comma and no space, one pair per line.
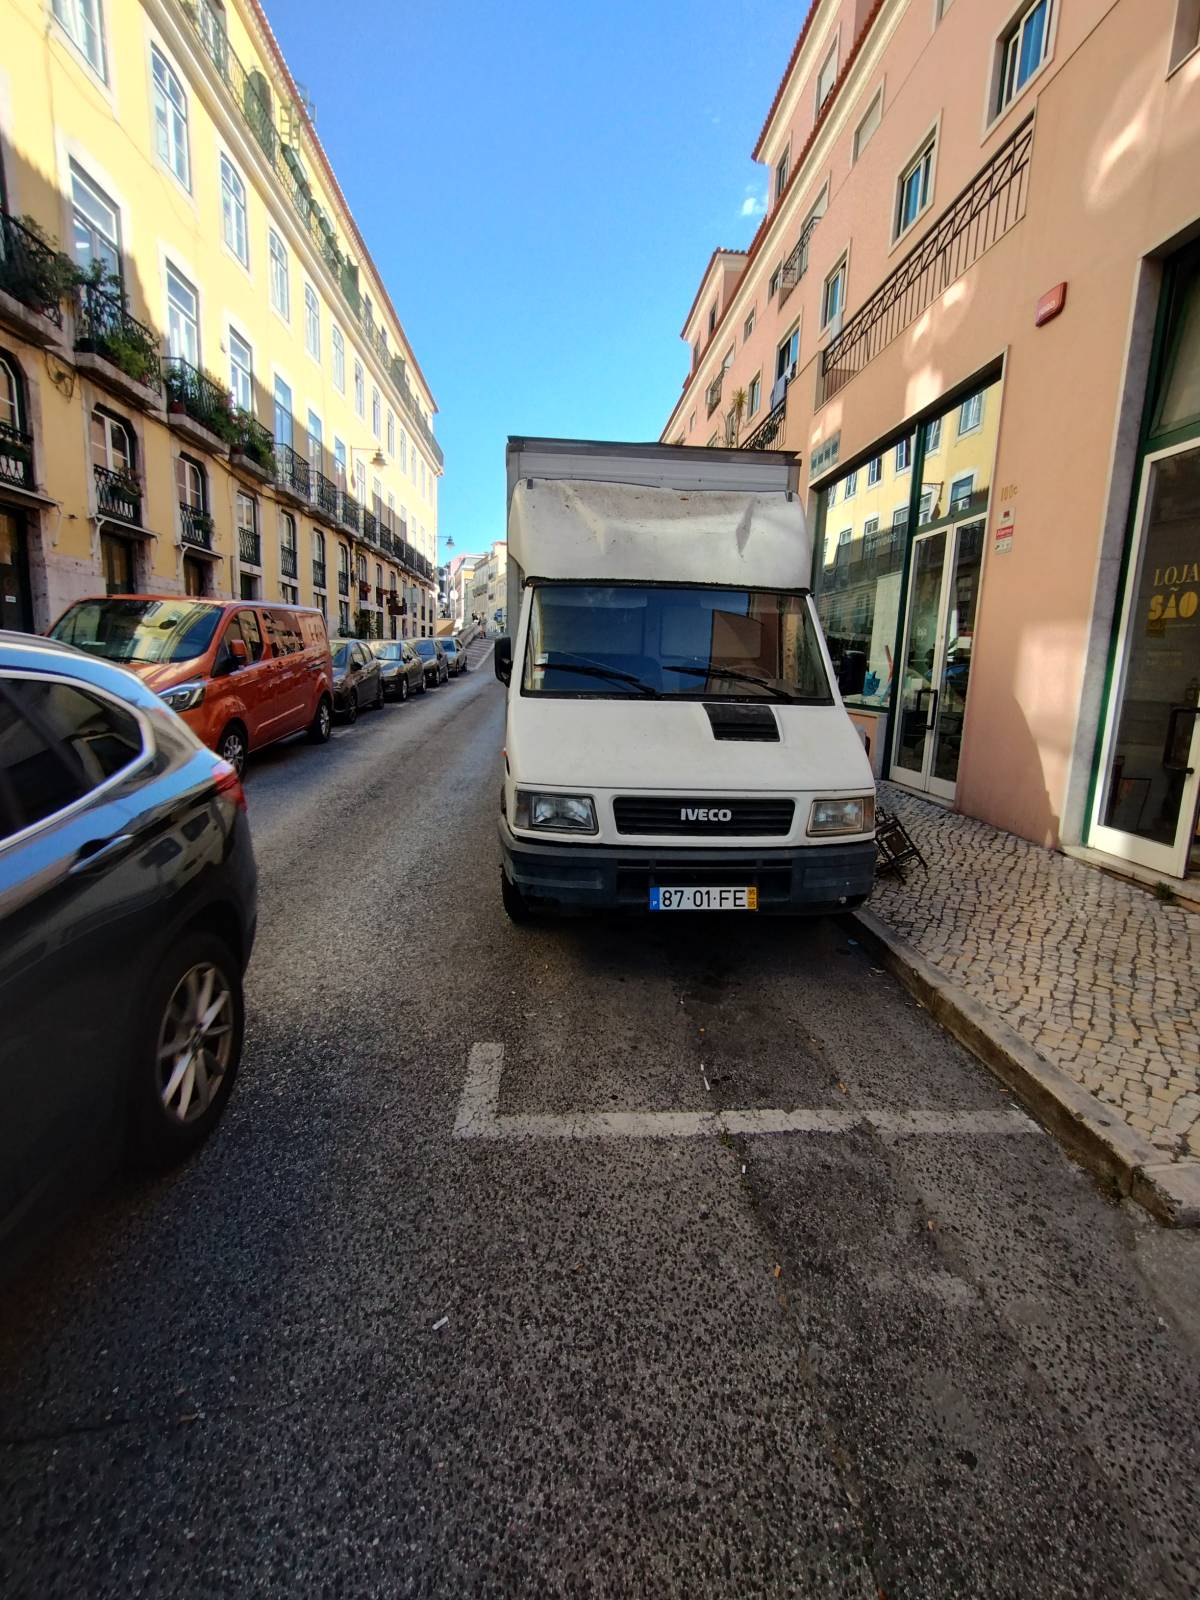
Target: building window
754,398
904,453
289,594
339,462
933,436
170,118
241,373
280,292
748,327
871,119
961,490
899,518
712,319
874,470
343,617
190,484
376,412
827,77
339,359
914,190
10,397
1186,36
831,495
287,541
773,283
833,296
851,485
787,355
403,452
315,447
233,212
360,389
781,173
283,413
970,414
360,483
391,434
95,225
846,534
1022,50
183,321
112,443
312,322
83,23
247,527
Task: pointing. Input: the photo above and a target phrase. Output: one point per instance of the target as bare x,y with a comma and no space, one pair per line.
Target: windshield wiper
774,686
596,669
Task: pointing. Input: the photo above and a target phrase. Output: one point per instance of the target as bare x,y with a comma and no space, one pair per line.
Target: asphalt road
613,1340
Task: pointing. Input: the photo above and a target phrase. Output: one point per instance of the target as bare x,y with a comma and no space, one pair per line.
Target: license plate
696,899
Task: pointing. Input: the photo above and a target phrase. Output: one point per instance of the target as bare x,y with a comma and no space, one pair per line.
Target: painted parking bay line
478,1116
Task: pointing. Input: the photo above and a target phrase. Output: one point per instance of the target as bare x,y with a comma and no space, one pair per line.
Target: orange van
240,673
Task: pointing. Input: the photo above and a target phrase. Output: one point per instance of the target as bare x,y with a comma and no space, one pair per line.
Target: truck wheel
515,904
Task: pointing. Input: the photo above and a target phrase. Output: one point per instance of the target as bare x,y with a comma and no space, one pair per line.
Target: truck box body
673,722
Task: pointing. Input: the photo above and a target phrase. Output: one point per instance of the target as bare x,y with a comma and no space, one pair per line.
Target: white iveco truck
676,740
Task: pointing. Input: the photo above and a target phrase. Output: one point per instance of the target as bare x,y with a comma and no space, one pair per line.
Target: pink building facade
973,311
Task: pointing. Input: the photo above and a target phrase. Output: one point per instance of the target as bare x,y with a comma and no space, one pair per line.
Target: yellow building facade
204,385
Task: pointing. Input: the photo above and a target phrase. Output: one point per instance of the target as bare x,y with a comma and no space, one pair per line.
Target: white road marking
479,1116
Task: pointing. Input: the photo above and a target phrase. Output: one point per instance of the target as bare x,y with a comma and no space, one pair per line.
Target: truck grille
657,814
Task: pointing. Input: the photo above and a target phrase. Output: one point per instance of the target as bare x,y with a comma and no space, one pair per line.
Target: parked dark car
357,680
456,656
127,915
437,668
401,668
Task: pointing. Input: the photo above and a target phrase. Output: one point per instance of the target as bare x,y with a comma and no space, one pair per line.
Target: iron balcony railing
768,430
991,204
200,397
254,442
325,493
118,494
103,327
16,457
287,560
250,547
291,471
370,526
30,270
318,574
343,581
195,526
796,264
351,512
712,394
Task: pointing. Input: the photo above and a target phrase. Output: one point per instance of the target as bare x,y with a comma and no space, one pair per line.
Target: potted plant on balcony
34,270
253,442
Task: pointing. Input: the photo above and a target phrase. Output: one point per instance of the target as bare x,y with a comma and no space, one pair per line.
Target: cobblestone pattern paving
1100,977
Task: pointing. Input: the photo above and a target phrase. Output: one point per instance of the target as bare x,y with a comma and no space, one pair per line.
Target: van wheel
231,747
321,725
186,1050
515,904
352,706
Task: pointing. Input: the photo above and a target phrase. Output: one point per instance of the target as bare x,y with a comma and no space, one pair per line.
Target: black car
127,915
456,656
401,668
357,680
437,668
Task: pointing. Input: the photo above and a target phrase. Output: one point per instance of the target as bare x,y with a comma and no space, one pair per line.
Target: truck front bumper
599,877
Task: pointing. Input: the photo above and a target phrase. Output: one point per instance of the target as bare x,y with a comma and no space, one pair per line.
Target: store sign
1003,540
825,455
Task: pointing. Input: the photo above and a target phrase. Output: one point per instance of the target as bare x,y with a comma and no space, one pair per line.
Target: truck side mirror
503,658
852,672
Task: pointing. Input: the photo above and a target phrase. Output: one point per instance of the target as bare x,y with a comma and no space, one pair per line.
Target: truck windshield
139,631
657,641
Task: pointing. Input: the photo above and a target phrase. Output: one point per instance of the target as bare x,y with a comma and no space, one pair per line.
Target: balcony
712,395
350,513
116,349
292,477
249,547
16,457
768,430
343,581
318,574
119,495
991,204
370,526
198,407
325,494
380,593
796,264
287,561
253,448
195,527
34,280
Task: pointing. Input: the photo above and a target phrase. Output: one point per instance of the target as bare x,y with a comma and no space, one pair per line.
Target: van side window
251,633
281,631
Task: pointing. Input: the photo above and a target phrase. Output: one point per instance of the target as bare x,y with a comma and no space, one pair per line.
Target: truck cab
675,735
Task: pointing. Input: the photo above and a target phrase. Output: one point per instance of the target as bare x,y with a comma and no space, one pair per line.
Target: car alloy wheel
195,1042
231,747
352,706
324,719
403,690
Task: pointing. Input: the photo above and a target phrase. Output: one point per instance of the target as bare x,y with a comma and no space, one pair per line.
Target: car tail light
230,785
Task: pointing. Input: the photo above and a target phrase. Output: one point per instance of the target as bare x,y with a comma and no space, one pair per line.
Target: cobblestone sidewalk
1102,979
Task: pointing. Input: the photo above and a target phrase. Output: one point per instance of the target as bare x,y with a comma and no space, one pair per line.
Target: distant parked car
456,656
357,680
437,668
127,916
401,668
241,674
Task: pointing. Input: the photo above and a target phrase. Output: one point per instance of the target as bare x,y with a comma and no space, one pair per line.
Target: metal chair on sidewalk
894,846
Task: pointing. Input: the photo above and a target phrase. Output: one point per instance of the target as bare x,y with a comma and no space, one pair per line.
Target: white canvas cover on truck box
587,529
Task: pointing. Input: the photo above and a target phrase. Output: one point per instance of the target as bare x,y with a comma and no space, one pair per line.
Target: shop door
943,597
195,578
116,556
1146,803
14,576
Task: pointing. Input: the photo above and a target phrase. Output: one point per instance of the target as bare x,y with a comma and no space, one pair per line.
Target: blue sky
541,185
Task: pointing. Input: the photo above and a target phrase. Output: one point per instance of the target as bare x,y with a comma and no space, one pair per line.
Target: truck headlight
842,816
183,697
562,813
